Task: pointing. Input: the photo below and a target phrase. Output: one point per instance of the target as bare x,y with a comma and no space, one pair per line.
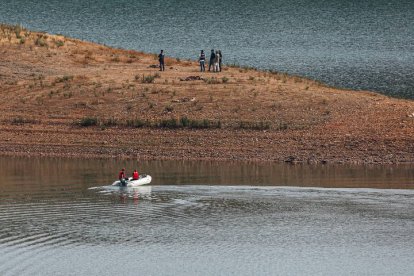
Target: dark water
349,43
60,217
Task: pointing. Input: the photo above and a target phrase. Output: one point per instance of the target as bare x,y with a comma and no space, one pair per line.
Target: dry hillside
66,97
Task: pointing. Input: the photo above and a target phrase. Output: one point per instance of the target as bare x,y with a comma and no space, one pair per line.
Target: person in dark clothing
212,58
220,60
161,57
202,60
121,177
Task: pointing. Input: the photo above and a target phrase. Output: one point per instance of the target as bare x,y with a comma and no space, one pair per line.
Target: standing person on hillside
216,67
212,57
202,60
221,60
161,57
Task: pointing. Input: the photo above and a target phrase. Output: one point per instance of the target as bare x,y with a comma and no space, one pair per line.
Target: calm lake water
61,217
354,44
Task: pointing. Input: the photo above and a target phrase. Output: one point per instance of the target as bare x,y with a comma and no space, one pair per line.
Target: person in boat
135,175
121,177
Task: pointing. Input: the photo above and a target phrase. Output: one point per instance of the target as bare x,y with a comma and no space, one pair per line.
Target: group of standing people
215,61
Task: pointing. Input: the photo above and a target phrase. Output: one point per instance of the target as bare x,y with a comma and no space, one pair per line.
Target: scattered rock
154,66
184,100
291,160
312,160
191,78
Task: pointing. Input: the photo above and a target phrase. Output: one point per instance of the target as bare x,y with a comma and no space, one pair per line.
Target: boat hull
143,180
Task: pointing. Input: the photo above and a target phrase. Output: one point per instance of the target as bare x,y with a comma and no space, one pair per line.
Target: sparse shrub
184,121
169,123
211,80
116,59
20,120
297,79
68,95
39,100
233,65
137,123
224,79
41,41
22,40
199,124
169,108
17,30
236,109
88,121
203,124
109,122
254,125
283,126
149,78
275,106
66,86
59,43
63,79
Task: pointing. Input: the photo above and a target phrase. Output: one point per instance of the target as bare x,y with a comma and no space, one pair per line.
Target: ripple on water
250,229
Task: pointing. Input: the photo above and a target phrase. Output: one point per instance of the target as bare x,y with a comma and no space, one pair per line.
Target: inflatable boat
143,179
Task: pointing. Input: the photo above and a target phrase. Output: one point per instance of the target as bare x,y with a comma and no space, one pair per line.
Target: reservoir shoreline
69,98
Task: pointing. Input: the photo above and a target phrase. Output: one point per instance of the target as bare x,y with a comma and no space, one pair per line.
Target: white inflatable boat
143,179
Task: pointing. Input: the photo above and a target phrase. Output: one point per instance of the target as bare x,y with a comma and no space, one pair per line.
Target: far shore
63,97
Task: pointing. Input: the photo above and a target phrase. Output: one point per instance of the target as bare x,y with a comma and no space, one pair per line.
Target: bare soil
52,87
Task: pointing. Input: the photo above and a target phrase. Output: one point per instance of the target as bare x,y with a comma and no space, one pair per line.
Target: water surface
354,44
60,217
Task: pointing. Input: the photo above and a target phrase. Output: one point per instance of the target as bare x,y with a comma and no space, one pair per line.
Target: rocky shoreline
246,145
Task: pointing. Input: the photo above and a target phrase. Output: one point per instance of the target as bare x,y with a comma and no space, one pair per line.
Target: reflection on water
125,193
55,213
32,176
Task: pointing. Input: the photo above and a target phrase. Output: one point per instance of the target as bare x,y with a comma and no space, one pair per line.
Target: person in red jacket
135,175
